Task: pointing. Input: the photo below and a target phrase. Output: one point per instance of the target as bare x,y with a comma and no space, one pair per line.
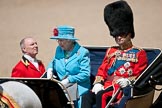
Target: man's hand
123,82
97,87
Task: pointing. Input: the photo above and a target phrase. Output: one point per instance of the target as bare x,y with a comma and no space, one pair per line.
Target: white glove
97,87
123,82
65,82
50,74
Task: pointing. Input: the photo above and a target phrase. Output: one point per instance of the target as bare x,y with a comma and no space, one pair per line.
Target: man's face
122,39
30,47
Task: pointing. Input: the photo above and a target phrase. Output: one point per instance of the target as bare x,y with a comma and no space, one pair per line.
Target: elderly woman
71,62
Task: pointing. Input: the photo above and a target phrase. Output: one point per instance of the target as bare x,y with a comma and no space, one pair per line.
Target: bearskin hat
119,18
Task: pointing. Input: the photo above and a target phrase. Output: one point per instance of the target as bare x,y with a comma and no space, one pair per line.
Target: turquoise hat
64,32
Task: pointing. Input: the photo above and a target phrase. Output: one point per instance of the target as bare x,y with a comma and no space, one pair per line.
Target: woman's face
65,44
123,39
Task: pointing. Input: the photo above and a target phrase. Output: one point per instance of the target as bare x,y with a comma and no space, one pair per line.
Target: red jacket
24,68
127,64
117,64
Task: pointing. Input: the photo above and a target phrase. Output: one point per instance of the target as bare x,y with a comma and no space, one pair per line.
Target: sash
120,58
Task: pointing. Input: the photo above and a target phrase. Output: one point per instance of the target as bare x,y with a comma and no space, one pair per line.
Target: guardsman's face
122,39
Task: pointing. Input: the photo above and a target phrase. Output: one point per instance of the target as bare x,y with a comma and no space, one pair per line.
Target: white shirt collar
34,61
30,58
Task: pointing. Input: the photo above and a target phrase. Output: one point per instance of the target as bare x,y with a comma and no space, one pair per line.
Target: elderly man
29,66
123,63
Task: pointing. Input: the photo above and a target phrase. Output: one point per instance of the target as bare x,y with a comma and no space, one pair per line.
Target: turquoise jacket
76,68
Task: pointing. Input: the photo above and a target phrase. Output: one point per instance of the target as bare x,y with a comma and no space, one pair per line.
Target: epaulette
137,48
114,47
110,53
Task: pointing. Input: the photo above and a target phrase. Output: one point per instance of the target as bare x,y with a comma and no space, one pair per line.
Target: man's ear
24,50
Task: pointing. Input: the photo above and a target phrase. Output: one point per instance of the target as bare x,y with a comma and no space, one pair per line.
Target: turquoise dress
74,65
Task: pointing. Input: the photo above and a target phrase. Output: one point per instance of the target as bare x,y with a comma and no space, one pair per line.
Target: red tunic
117,64
24,68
